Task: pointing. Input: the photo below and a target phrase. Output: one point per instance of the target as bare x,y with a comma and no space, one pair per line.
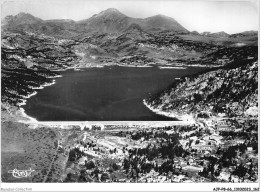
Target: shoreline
24,101
167,66
171,67
80,68
185,118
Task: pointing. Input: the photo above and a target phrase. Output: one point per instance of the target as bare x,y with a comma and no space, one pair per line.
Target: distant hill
161,22
220,34
245,34
206,33
223,34
20,19
108,21
26,22
195,33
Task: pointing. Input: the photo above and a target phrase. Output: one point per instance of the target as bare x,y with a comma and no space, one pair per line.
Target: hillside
28,61
230,91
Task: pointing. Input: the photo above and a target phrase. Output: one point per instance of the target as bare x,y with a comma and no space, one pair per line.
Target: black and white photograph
127,91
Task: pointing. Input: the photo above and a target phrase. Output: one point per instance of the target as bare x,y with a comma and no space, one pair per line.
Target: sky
212,16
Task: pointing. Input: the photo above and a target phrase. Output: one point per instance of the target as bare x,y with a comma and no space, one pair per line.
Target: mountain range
108,21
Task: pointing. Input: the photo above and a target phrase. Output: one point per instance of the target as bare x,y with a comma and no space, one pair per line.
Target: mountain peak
110,12
108,21
160,16
163,22
23,14
21,18
113,10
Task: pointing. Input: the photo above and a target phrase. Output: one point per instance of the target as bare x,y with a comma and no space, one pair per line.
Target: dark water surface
103,94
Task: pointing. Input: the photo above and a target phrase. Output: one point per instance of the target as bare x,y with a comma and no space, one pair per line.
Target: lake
111,93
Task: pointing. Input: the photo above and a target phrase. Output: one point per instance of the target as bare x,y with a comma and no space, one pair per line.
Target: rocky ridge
229,91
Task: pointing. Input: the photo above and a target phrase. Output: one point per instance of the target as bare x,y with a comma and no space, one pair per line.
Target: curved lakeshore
24,101
186,117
